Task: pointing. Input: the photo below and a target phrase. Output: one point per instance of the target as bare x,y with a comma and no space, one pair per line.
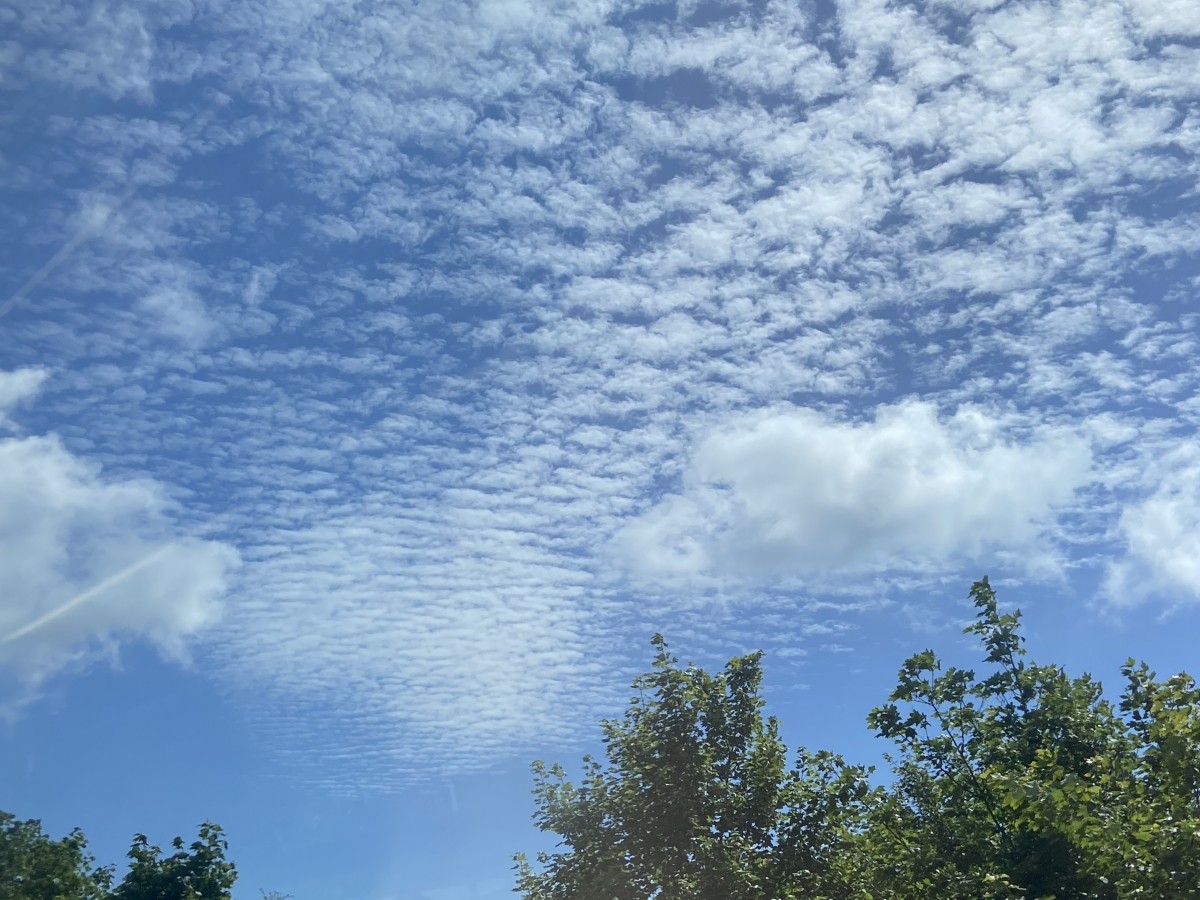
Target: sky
376,378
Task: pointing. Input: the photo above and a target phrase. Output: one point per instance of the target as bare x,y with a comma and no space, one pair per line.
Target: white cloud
89,560
18,388
1165,17
793,492
558,280
180,313
100,46
1162,540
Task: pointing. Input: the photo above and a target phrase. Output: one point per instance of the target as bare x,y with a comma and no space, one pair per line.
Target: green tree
1028,783
33,866
697,801
1017,782
200,872
36,867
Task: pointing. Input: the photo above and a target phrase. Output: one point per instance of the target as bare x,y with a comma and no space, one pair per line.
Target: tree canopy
200,872
1017,781
34,866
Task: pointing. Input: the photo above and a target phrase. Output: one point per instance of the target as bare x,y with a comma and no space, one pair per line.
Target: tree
1028,783
955,819
198,873
1019,782
697,801
33,866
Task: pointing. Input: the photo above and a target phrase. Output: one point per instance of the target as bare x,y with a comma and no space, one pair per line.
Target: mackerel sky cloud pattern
455,343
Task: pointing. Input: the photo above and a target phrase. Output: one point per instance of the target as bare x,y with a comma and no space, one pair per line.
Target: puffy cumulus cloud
794,493
1162,538
17,388
1175,17
88,560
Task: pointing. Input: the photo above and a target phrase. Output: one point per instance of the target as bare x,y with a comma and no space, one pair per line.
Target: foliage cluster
1014,782
34,866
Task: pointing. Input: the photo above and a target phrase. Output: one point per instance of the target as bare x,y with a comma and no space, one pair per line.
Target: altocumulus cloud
89,559
424,308
794,492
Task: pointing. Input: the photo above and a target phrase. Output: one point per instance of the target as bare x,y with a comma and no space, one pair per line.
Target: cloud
94,46
90,560
179,313
17,388
1161,534
422,307
797,493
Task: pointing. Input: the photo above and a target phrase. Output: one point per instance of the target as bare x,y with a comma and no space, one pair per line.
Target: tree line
1014,781
34,866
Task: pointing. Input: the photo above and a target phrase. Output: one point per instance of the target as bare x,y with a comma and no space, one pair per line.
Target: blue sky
376,378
